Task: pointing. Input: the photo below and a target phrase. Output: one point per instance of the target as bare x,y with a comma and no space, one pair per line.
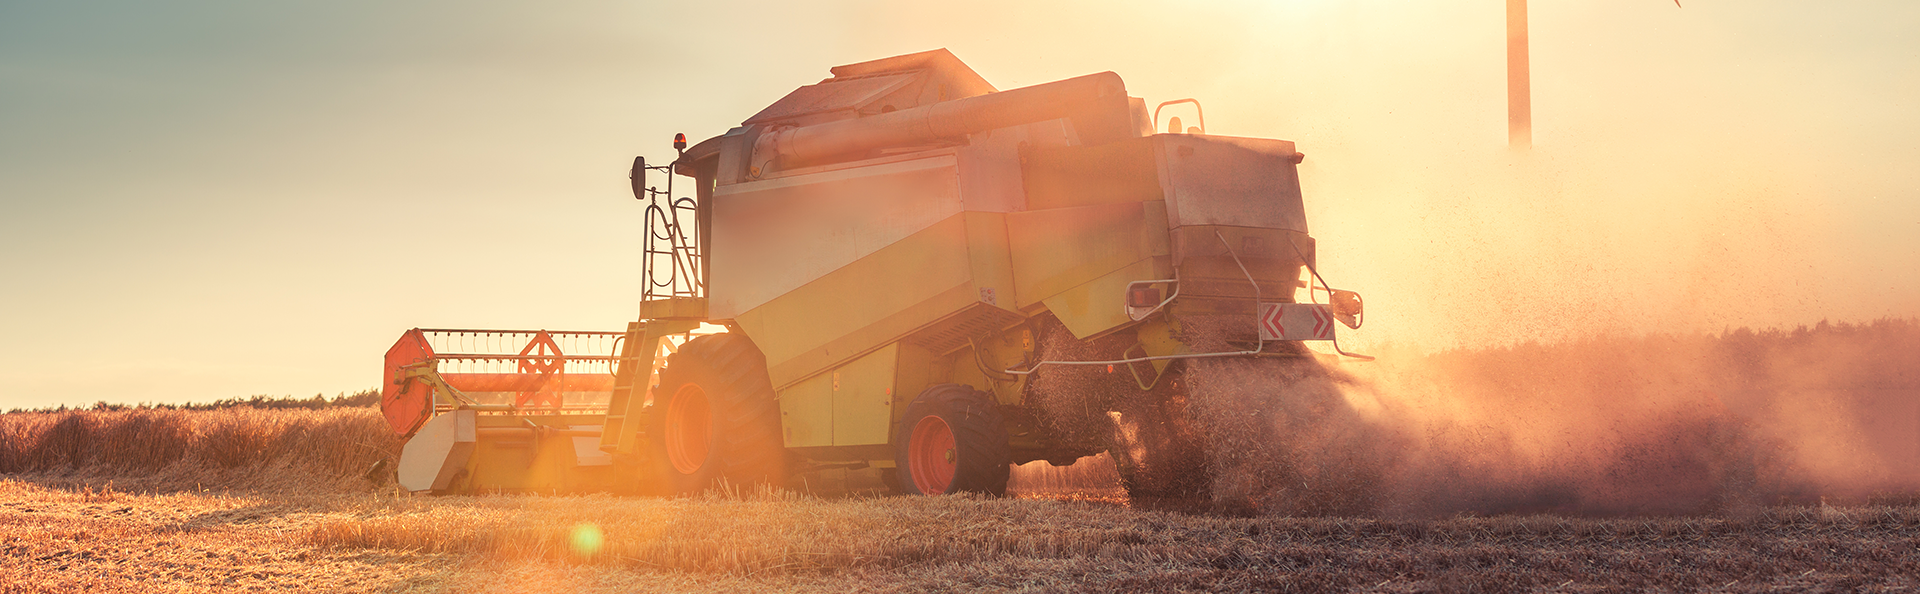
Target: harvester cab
905,272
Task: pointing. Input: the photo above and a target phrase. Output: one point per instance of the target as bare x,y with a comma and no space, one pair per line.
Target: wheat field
146,449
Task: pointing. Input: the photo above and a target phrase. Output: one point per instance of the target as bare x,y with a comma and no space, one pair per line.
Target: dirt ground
90,539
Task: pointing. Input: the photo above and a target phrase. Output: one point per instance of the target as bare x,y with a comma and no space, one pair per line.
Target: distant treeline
363,398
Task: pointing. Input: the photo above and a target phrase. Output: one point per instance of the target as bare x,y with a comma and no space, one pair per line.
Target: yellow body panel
806,412
1157,340
991,259
912,374
1122,171
854,404
874,301
863,398
1059,249
1091,307
676,308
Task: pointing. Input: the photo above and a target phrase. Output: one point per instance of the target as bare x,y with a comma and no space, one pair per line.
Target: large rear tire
952,439
1156,448
1157,456
714,417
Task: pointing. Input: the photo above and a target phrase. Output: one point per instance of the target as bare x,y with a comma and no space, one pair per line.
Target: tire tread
980,435
750,449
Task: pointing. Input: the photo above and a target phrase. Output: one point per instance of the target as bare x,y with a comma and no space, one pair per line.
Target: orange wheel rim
931,455
688,423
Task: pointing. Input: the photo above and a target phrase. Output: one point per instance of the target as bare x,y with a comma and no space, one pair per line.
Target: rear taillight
1143,297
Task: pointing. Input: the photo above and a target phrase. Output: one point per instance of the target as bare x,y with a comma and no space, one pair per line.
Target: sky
214,199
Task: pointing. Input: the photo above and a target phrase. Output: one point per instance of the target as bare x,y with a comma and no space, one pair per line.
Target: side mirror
638,176
1347,307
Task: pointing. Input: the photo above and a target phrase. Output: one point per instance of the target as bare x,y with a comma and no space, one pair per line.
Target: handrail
1196,109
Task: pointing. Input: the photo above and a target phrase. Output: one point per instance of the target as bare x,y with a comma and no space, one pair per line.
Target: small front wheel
953,439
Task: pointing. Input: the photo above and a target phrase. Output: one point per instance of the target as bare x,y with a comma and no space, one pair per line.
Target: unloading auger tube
937,122
1257,303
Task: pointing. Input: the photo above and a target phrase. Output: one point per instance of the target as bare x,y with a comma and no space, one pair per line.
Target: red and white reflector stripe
1295,321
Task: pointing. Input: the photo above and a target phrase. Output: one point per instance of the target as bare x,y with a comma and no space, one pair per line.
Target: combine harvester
877,273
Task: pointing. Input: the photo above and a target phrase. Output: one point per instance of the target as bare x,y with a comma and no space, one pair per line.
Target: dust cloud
1654,424
1649,424
1622,320
1578,330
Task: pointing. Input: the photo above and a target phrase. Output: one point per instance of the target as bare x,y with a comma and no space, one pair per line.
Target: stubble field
61,540
246,499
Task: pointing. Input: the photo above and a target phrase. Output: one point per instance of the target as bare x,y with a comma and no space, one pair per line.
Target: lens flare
587,539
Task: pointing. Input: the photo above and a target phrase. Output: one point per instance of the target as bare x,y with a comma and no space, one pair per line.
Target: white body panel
1295,321
437,452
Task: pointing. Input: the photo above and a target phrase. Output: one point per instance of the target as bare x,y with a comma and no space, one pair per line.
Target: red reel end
406,402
